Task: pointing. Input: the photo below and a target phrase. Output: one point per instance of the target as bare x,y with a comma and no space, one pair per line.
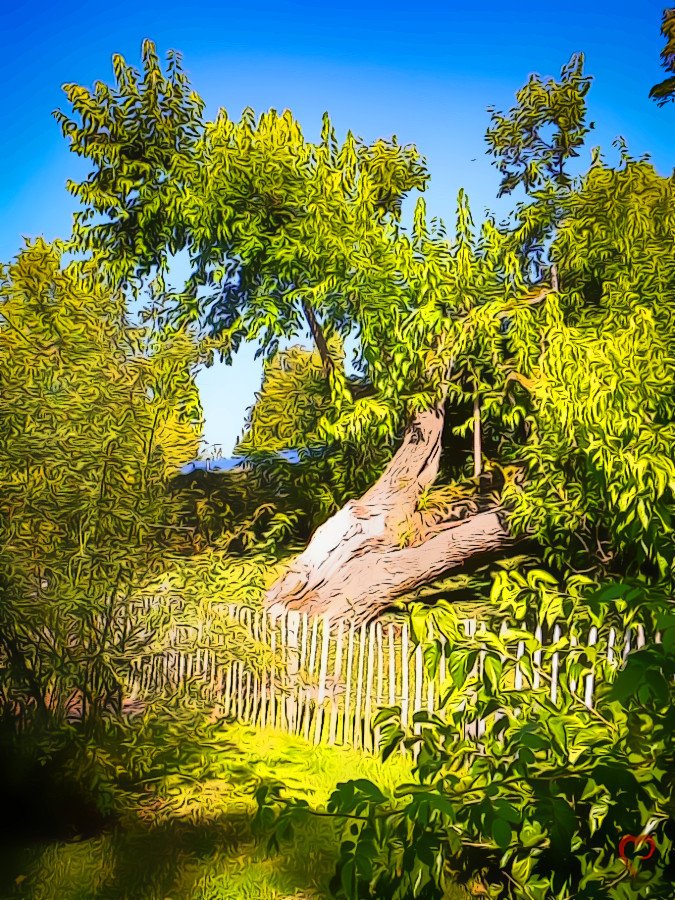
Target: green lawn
192,839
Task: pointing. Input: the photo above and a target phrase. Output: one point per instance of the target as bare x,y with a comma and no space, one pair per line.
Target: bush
535,807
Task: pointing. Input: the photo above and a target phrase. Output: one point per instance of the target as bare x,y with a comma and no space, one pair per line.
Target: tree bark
477,445
318,337
381,546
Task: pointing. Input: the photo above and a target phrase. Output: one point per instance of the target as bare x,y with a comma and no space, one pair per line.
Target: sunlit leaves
534,141
664,91
95,417
533,803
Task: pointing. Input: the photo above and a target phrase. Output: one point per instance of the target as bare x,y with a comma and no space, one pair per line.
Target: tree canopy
553,368
510,408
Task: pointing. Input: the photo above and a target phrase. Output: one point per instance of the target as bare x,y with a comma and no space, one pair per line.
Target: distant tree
293,399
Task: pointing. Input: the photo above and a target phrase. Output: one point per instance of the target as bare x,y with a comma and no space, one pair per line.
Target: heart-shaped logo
635,841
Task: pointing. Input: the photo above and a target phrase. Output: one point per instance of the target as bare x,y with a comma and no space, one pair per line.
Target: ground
195,843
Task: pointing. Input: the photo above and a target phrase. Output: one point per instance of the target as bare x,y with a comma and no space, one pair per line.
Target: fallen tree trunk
381,546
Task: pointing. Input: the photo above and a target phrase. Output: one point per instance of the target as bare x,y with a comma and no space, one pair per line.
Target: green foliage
94,418
534,804
593,366
533,142
270,220
214,578
273,505
140,135
287,413
664,91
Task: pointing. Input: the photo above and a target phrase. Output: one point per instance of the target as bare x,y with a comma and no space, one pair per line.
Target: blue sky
378,68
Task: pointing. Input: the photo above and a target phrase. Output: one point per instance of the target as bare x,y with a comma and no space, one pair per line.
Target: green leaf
493,671
501,832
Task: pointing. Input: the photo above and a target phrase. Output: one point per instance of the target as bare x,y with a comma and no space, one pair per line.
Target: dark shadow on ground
168,859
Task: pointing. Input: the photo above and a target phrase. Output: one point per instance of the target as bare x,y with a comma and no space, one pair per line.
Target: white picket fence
325,680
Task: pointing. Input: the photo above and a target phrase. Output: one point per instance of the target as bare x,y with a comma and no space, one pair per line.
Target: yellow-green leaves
294,397
95,418
534,140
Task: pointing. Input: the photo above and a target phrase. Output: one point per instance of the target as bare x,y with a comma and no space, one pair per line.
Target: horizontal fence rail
326,679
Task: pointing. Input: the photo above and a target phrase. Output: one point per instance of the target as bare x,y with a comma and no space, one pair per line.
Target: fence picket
392,666
346,729
241,680
335,694
404,676
310,672
358,701
537,658
554,666
367,712
249,674
272,710
590,678
380,681
519,672
430,680
419,674
255,637
323,671
292,669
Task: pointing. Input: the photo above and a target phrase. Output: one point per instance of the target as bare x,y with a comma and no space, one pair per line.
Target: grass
191,837
188,835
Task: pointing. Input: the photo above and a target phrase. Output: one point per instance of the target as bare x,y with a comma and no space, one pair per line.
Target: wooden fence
326,679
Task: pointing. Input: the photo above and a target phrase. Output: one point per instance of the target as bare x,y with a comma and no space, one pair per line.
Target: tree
95,417
664,91
537,138
294,397
459,329
250,200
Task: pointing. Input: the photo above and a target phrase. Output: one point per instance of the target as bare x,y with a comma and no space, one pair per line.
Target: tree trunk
381,546
477,446
318,337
